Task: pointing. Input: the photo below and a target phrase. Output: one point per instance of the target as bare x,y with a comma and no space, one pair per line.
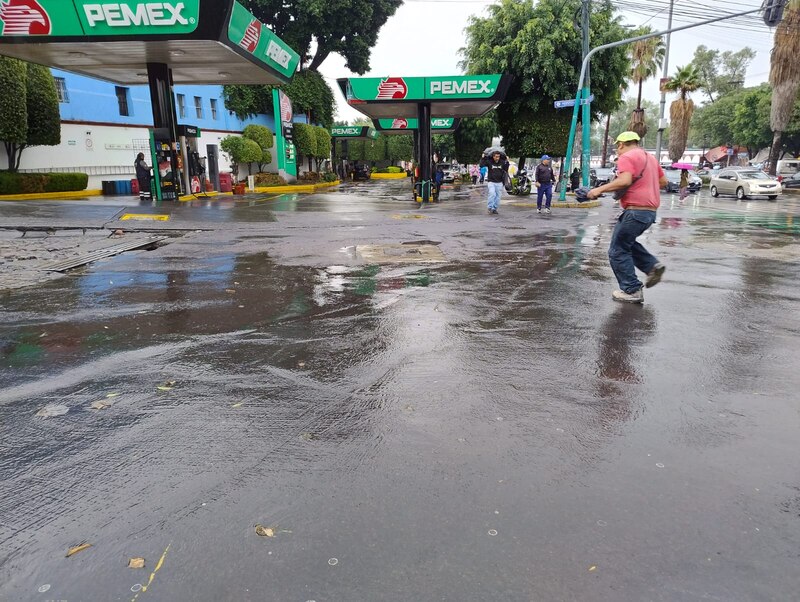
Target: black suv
362,172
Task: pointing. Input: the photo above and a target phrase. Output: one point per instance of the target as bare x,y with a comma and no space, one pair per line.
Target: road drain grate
76,262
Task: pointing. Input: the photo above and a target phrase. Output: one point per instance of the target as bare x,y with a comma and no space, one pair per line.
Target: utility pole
660,135
586,115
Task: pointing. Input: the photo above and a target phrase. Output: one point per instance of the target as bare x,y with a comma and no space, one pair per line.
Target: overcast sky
423,38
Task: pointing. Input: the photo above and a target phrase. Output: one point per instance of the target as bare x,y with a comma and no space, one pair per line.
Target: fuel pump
192,170
166,165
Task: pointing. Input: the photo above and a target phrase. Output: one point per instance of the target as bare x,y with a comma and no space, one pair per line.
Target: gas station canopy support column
137,42
423,99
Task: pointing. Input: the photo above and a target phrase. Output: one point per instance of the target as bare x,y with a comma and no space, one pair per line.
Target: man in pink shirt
640,177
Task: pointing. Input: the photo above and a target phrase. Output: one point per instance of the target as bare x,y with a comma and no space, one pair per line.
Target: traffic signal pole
663,103
586,115
585,66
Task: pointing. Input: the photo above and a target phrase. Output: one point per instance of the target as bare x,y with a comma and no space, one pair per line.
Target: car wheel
772,197
740,194
714,192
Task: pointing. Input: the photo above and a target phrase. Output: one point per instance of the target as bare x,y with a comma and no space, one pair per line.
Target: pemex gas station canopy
354,132
448,96
439,125
203,41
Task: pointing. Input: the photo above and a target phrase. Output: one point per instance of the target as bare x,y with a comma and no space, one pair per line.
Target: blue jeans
495,190
625,253
544,189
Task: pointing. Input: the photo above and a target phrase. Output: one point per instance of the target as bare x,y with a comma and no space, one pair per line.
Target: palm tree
646,56
784,75
685,80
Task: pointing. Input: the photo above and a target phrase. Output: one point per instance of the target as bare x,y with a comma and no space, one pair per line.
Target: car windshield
753,175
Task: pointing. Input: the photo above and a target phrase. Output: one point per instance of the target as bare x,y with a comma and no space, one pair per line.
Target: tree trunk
318,59
775,152
639,98
310,165
605,141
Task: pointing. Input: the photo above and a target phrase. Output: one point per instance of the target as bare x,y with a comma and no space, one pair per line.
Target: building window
198,106
122,99
181,106
214,108
61,89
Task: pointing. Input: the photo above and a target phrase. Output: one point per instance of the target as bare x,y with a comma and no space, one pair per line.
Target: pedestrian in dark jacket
496,170
142,176
544,179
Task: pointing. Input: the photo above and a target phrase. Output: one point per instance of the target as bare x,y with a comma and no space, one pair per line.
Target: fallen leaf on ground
136,563
238,405
79,548
164,388
51,410
265,531
110,395
100,405
592,568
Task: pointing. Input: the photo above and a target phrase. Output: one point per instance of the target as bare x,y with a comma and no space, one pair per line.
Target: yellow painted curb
288,189
75,195
389,176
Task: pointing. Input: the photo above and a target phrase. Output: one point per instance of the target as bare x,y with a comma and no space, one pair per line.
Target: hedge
269,179
392,169
31,183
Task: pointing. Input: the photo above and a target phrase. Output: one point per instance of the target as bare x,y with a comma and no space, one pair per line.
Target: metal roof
220,43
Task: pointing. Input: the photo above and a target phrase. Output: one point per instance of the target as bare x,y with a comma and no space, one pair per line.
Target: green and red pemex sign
257,39
354,131
393,89
437,123
93,18
145,19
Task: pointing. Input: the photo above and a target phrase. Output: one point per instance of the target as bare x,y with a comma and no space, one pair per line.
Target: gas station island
133,42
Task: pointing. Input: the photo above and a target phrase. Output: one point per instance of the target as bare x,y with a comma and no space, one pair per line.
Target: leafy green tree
262,136
13,108
44,117
473,136
742,118
721,72
239,151
444,145
349,28
539,45
305,142
323,140
400,148
375,150
308,90
29,113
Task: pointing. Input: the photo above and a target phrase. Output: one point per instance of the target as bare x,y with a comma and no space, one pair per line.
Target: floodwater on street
411,403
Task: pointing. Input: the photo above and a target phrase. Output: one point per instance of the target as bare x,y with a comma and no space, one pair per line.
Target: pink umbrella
682,166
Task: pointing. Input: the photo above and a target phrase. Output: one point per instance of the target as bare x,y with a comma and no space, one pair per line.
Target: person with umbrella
496,165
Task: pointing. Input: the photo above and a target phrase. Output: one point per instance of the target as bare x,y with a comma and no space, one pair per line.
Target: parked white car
745,183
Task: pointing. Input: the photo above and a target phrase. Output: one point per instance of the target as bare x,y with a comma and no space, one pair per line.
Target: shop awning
202,41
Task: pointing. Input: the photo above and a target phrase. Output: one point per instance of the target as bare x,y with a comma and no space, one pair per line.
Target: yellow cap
628,137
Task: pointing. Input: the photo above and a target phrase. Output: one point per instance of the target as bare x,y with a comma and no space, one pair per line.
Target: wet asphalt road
479,423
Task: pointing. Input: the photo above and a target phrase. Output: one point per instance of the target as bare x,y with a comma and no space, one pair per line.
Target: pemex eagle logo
24,18
391,88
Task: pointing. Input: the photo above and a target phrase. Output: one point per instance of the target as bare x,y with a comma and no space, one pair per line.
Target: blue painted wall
95,101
